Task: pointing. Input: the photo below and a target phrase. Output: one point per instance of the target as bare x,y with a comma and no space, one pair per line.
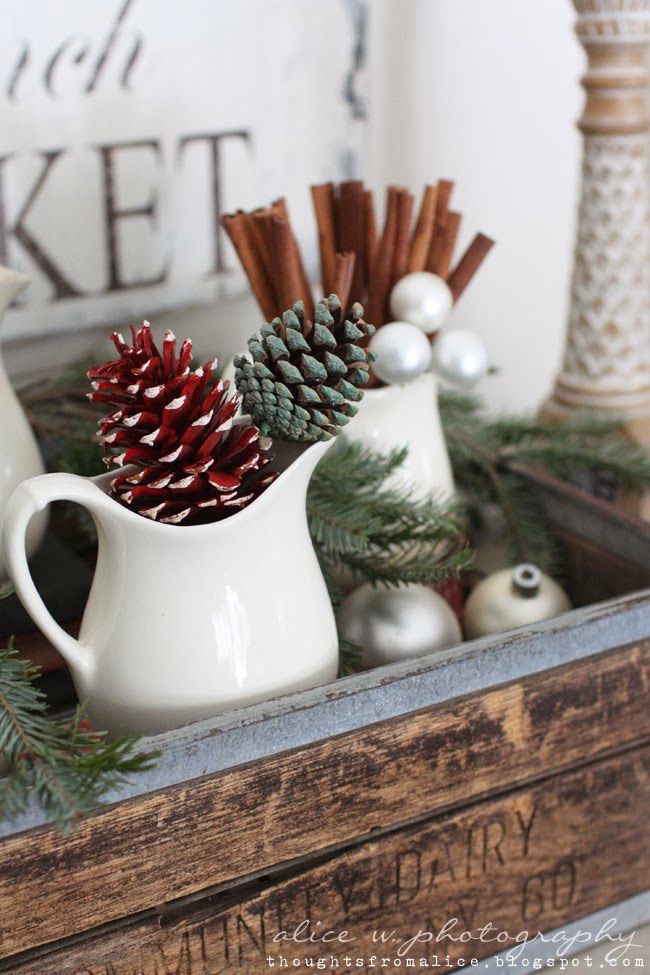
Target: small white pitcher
185,622
407,416
19,454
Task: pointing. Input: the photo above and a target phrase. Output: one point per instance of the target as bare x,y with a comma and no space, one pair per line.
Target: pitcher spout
297,461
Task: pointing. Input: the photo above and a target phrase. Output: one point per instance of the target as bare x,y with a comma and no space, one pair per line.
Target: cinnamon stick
468,265
380,279
259,227
286,268
280,208
371,236
336,209
405,203
351,231
343,278
452,226
323,200
445,188
236,226
423,230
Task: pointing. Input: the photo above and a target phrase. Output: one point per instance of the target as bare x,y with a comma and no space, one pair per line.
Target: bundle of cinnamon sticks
271,258
356,263
346,221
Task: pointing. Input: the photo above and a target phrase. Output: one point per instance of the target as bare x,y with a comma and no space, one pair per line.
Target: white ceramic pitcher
185,622
19,454
407,416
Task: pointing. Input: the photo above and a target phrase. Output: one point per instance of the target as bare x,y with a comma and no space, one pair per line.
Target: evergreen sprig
585,447
66,767
376,532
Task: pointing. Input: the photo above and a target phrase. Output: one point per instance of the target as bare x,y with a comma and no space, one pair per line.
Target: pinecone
302,383
176,424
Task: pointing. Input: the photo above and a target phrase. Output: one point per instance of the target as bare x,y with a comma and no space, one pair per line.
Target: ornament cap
526,580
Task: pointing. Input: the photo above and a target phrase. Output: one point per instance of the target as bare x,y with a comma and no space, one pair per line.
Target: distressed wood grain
527,862
167,845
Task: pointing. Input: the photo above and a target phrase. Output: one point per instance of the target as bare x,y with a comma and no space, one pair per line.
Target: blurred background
488,94
157,119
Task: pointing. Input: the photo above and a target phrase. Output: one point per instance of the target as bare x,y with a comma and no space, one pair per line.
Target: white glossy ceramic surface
398,416
185,622
19,454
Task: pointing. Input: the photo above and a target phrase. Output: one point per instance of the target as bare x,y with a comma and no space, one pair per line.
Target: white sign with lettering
128,127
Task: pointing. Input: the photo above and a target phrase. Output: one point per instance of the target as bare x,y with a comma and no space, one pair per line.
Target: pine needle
349,657
64,766
376,533
379,533
585,447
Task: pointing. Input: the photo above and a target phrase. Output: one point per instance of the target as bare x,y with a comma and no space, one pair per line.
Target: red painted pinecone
176,425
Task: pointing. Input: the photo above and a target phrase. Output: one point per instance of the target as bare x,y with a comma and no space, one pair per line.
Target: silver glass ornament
396,624
512,597
423,299
403,353
460,357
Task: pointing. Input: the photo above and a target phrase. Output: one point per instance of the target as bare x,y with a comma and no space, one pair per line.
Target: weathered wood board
525,862
502,783
143,854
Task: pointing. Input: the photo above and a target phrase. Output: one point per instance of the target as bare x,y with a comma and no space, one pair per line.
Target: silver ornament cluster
424,301
397,623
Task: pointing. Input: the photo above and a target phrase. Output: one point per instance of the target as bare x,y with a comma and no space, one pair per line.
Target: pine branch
375,532
66,767
349,657
378,532
481,452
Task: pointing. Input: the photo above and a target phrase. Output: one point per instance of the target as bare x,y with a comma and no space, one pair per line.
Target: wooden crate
504,782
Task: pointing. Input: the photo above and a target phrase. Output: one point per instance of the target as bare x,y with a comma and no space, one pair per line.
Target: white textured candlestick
607,358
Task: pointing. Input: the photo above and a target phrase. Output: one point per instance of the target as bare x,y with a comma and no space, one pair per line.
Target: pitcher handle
30,497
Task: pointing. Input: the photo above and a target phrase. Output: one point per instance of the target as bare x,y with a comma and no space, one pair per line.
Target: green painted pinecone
303,381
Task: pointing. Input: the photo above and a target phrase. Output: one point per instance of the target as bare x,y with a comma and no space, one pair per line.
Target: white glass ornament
512,597
460,357
397,624
423,299
403,353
